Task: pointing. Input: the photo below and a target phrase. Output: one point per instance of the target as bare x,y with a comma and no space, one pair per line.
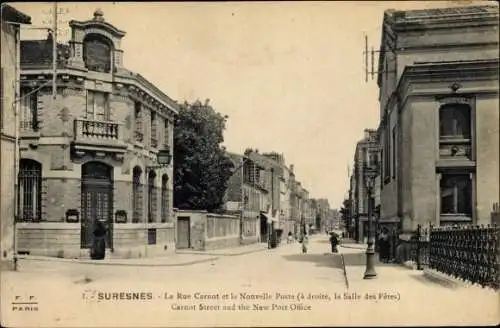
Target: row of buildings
82,138
436,149
272,202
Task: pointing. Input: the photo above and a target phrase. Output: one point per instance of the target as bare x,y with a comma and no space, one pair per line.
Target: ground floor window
30,191
456,194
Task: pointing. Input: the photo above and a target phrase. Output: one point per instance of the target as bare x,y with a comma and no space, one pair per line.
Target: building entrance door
183,233
96,201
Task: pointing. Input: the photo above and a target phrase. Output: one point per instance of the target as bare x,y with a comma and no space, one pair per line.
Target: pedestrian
290,237
334,242
305,242
98,250
384,245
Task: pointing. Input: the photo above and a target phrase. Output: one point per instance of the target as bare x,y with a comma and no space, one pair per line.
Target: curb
354,247
226,254
450,281
121,263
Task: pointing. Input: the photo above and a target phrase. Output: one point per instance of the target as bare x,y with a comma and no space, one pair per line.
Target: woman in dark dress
334,242
98,250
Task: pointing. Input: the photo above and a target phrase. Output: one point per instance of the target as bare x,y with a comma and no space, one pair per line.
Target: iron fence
470,253
420,247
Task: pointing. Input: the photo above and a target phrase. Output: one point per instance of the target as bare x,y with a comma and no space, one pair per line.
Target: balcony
455,152
98,136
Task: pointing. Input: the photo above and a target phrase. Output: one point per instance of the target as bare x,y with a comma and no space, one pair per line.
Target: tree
202,167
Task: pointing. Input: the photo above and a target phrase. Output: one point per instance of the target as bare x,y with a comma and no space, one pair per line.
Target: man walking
334,242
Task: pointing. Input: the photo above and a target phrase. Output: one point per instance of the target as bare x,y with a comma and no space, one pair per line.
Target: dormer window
97,53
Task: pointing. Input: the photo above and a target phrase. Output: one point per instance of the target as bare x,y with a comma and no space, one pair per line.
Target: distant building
247,196
439,132
9,86
366,155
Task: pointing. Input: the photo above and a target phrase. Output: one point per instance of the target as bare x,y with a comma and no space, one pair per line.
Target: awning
269,217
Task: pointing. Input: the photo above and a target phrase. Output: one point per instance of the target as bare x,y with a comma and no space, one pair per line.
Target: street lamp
370,172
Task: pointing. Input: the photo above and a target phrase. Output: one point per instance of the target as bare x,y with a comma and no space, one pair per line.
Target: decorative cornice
98,25
445,72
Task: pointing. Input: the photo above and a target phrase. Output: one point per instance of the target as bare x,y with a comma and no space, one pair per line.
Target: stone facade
439,129
90,151
9,86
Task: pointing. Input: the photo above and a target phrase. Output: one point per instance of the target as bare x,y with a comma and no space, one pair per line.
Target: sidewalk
232,251
179,258
350,243
173,259
417,299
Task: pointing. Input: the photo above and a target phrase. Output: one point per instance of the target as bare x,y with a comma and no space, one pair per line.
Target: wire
29,93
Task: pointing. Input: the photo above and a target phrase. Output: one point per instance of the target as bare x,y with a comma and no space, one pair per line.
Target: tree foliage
202,167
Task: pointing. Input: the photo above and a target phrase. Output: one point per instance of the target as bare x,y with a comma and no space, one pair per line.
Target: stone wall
50,239
63,240
212,231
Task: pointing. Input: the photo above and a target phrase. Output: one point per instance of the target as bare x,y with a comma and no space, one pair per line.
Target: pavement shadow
359,259
321,260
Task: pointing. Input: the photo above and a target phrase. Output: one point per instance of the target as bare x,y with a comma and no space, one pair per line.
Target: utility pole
242,197
54,55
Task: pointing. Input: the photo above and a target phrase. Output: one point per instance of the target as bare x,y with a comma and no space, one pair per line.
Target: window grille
164,199
151,197
137,196
30,191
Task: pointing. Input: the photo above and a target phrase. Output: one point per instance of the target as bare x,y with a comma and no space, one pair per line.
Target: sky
290,75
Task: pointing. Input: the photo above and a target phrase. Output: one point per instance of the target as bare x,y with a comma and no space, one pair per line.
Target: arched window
164,198
30,191
137,195
455,121
97,53
151,196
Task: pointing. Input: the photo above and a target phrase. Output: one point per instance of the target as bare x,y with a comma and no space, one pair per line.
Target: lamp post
370,173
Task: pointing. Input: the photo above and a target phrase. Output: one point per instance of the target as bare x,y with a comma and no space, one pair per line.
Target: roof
441,13
11,14
423,19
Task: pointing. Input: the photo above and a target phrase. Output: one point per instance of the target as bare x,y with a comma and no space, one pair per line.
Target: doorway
183,232
96,201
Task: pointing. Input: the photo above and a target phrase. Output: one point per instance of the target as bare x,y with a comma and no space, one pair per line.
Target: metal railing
420,247
470,253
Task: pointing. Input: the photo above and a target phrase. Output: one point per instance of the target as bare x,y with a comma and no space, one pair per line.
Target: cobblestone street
65,298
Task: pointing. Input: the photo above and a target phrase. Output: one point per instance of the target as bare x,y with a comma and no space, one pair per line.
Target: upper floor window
29,110
97,106
154,131
97,53
138,135
455,121
166,135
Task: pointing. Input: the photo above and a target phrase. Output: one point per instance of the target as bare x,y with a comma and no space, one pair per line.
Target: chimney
291,167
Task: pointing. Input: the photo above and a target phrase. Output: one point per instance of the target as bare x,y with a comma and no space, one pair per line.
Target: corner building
90,153
439,116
